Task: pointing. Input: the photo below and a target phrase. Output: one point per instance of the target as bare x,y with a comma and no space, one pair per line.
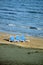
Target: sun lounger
23,39
17,39
11,39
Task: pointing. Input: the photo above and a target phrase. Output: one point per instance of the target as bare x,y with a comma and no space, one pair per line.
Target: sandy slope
33,43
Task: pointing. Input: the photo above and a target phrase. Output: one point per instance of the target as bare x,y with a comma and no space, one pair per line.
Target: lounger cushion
11,38
17,38
22,38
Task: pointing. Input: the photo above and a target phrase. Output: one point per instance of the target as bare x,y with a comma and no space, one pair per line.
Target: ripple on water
22,16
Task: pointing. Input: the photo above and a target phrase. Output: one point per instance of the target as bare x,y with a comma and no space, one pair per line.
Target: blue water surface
22,17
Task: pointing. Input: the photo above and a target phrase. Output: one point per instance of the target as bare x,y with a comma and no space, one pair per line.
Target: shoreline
35,42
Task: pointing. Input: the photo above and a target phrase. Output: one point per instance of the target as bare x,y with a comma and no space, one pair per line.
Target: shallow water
22,17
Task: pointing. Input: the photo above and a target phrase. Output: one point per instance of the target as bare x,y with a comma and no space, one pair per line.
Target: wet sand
33,42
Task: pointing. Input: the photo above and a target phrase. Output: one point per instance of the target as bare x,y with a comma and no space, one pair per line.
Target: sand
21,53
32,42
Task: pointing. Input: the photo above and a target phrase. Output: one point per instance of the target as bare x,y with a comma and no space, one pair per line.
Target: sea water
22,17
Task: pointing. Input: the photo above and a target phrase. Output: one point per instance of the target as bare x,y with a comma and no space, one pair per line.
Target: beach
23,18
21,53
32,42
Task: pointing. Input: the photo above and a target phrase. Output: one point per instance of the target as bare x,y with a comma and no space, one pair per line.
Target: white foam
39,28
23,26
11,24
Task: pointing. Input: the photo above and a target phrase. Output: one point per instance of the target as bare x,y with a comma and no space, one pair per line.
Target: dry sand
35,42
